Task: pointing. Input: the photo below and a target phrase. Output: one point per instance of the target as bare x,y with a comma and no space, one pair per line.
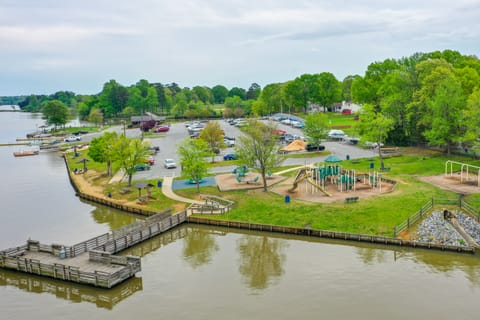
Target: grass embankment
98,185
376,216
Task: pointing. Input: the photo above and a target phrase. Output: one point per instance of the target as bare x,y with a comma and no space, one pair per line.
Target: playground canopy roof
332,159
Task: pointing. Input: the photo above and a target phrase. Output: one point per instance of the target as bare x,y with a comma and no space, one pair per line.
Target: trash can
348,157
287,199
372,165
159,184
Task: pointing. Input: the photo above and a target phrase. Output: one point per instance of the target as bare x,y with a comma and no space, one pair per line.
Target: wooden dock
91,262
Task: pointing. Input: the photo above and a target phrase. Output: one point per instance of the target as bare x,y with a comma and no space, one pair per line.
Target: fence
428,206
329,234
212,205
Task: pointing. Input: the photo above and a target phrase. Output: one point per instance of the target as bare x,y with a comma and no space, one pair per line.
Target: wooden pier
91,262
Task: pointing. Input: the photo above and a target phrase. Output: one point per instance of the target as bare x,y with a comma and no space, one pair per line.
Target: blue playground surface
184,184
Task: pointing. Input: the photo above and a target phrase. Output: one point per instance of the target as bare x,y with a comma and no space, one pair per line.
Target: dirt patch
228,181
307,192
453,183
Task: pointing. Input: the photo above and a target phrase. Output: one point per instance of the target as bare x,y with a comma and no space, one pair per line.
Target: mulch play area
452,183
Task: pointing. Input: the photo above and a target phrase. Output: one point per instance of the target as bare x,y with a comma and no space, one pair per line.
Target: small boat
25,153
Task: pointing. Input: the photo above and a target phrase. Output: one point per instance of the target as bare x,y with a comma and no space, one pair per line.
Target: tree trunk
198,185
382,165
109,168
264,180
130,179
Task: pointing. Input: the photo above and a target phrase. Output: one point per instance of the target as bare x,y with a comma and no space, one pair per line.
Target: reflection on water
199,246
70,291
112,217
261,260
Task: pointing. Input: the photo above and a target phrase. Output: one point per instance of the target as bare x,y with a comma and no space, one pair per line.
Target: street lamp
124,123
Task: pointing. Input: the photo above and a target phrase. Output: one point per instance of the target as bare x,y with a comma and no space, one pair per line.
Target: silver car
169,164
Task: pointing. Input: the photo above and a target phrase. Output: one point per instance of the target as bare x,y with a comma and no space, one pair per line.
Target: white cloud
213,41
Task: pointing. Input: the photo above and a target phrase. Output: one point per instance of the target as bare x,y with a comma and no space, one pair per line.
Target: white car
169,164
72,139
229,143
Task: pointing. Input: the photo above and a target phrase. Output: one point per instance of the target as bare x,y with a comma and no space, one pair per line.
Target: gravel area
470,225
435,229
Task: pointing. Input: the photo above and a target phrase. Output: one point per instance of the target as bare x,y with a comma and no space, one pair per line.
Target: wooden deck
93,261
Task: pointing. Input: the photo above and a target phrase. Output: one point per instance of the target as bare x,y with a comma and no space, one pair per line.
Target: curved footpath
168,192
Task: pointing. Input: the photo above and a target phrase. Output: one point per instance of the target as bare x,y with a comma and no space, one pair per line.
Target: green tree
327,90
446,108
258,148
272,99
204,94
347,87
130,152
220,93
212,134
151,100
192,153
95,116
113,98
374,126
55,113
316,128
472,118
302,91
102,149
239,92
253,91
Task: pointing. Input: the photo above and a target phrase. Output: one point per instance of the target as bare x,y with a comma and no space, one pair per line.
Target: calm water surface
196,272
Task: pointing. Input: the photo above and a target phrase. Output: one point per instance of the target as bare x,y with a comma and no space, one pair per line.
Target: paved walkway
168,192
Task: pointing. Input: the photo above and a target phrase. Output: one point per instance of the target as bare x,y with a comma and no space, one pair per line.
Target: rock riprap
470,225
435,229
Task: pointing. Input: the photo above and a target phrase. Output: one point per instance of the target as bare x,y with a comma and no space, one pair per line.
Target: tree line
429,98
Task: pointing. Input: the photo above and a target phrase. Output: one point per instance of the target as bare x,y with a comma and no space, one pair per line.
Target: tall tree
55,112
212,134
102,149
95,116
239,92
258,148
253,91
472,118
316,128
374,126
301,91
130,152
219,93
446,111
192,153
327,90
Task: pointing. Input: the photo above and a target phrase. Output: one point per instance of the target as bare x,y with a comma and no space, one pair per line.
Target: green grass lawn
376,215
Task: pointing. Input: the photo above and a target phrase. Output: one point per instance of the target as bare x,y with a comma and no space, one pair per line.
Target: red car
161,129
150,160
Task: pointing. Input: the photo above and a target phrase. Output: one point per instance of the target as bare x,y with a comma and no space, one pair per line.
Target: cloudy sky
52,45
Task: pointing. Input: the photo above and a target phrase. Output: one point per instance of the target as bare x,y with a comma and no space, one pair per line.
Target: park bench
355,161
385,169
351,199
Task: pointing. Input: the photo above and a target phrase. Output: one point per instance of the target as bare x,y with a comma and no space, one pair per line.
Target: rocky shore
436,229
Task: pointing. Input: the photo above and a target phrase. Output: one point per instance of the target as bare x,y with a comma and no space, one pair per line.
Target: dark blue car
230,156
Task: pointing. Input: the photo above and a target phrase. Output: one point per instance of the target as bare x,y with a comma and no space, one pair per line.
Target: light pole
124,132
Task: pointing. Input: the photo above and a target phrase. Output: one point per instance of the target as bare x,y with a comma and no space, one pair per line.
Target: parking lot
169,141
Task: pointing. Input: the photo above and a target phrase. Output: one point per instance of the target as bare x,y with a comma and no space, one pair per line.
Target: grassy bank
375,216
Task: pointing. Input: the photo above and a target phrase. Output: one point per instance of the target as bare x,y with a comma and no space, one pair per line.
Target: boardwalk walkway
93,261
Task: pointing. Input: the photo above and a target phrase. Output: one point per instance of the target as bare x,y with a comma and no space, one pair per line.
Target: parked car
169,164
313,147
336,134
299,125
230,156
150,160
142,167
72,139
229,143
161,129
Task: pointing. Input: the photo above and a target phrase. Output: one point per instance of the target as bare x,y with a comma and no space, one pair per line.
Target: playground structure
467,172
335,179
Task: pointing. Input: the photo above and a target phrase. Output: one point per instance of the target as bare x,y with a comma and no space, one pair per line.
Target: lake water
198,272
